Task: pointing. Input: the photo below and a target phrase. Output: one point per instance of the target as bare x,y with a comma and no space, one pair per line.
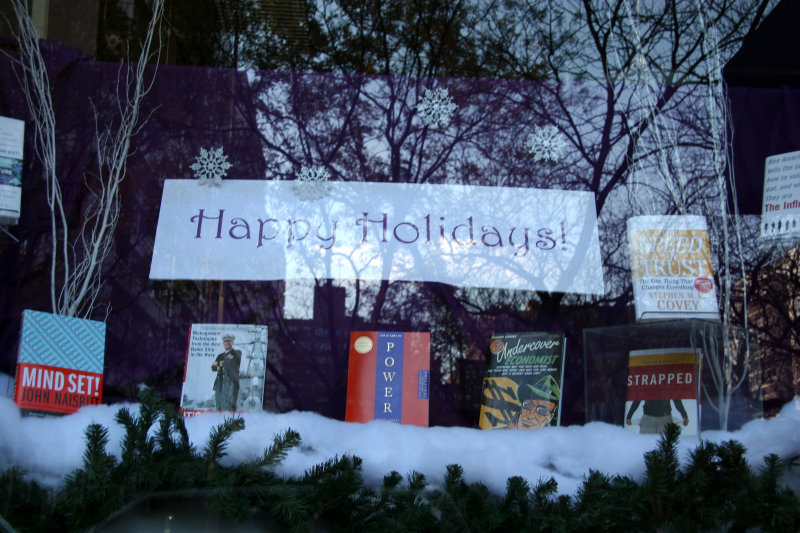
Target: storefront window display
468,170
439,171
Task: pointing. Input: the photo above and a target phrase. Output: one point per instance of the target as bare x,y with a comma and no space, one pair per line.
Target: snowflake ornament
436,108
546,143
210,166
312,183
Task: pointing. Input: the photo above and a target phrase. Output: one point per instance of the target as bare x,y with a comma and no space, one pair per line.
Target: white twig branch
35,83
79,260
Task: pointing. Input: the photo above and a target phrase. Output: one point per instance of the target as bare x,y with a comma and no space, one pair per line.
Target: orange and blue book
389,377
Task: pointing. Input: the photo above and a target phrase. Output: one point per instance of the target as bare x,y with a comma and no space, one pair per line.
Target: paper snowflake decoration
210,166
436,108
312,183
546,143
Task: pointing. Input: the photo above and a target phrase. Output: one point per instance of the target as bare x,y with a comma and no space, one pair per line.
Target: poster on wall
503,237
225,368
780,208
388,377
60,363
523,383
12,136
671,268
662,388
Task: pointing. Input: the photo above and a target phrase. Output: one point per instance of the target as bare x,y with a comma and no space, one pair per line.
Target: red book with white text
60,363
662,387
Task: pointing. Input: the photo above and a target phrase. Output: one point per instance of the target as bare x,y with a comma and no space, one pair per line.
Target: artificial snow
49,448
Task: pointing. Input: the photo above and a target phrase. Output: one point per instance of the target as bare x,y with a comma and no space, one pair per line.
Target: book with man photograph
523,383
388,377
225,368
662,387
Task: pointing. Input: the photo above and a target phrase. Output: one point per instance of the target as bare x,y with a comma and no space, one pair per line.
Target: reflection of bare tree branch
466,319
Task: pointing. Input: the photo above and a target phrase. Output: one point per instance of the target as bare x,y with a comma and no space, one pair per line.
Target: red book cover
389,377
60,363
662,387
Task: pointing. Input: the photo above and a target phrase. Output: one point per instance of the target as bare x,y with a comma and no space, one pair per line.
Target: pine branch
25,505
95,459
716,491
91,492
659,487
290,503
279,448
218,440
337,483
450,500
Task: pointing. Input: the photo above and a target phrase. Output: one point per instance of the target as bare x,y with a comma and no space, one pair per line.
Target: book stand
730,386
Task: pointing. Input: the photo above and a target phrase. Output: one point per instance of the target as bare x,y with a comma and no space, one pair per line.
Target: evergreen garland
716,491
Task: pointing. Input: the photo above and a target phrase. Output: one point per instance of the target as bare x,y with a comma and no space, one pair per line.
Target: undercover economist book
522,387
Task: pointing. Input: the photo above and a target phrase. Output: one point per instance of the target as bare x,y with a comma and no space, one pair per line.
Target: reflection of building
467,386
773,296
95,26
73,23
308,358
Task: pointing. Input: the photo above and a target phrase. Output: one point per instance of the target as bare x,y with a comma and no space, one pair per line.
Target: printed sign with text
473,236
780,210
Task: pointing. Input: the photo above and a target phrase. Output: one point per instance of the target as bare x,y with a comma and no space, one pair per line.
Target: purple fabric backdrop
269,124
766,121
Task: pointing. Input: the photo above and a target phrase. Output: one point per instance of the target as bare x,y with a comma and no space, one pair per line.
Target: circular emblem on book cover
703,285
363,344
496,346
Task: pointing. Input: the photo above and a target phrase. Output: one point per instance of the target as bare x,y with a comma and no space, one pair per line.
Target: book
671,268
524,380
388,377
60,363
225,368
662,387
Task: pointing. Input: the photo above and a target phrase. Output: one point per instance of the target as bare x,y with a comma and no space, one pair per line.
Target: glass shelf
730,387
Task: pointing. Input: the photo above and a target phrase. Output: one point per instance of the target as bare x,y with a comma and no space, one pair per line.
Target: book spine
389,377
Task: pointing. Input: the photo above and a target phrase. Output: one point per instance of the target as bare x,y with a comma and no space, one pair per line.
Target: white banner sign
780,209
466,236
